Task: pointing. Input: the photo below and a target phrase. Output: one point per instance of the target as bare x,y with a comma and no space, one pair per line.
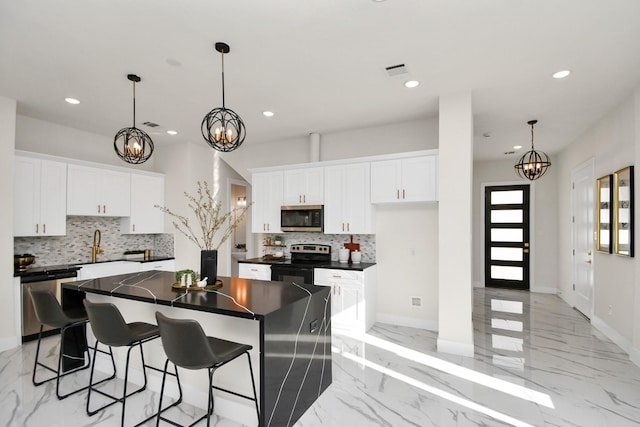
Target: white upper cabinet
347,207
413,179
98,192
304,187
40,196
267,193
147,191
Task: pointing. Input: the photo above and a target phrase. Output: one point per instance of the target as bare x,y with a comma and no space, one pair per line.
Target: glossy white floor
537,363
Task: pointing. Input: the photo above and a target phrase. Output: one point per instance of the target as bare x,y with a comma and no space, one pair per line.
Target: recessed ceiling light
411,83
561,74
267,113
72,101
517,147
172,132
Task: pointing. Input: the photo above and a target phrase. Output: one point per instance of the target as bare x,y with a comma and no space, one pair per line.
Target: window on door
507,236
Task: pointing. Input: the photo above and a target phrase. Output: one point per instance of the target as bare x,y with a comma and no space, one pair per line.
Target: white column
314,147
9,330
455,290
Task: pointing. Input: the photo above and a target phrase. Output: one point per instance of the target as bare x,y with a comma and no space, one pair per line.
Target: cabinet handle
339,290
299,198
304,198
398,194
268,227
348,227
98,208
337,276
37,227
104,208
44,228
134,228
343,226
403,194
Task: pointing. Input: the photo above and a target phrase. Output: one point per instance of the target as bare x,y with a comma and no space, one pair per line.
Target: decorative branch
207,212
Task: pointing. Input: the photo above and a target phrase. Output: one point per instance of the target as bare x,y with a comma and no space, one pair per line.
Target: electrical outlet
313,326
610,310
416,301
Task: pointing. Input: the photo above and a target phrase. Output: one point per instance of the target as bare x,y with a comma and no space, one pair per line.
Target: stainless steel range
304,258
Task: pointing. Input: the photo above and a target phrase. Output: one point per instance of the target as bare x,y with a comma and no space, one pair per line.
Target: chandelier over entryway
533,164
132,144
222,128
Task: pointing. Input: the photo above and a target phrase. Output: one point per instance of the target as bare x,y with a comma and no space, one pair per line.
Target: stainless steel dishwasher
47,279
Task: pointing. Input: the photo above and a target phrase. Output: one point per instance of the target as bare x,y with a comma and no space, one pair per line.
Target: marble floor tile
537,362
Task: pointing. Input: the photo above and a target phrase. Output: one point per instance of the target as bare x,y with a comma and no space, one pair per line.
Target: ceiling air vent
151,124
396,70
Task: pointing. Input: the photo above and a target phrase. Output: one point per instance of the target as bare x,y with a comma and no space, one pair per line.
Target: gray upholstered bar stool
110,328
187,346
50,313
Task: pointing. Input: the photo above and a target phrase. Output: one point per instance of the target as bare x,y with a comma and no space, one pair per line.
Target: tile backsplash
75,247
367,243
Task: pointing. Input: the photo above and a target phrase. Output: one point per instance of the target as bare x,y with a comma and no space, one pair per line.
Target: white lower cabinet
166,265
353,297
254,271
113,268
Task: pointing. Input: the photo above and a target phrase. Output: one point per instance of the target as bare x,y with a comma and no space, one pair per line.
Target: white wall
8,306
49,138
612,142
544,244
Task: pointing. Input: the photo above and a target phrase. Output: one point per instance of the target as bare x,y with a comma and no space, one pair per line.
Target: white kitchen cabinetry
98,192
147,191
267,190
165,265
254,271
104,269
347,206
352,297
40,194
413,179
304,187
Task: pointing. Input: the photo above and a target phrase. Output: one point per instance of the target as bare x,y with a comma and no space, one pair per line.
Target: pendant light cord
532,137
134,104
222,54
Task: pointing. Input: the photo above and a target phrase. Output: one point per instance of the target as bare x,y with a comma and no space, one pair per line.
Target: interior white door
583,232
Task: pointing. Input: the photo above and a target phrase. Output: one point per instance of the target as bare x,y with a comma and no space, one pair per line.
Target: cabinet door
53,198
351,311
419,179
385,181
357,208
116,193
267,190
254,271
147,191
334,199
166,265
84,188
26,197
303,187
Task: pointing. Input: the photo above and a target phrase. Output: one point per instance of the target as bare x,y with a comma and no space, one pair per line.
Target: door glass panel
506,273
503,342
506,197
506,234
506,254
509,216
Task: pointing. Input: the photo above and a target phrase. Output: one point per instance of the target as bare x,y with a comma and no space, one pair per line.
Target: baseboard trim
478,284
412,322
455,347
544,290
9,343
619,340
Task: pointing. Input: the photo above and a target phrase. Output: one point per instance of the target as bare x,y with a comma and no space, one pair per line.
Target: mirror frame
623,211
604,213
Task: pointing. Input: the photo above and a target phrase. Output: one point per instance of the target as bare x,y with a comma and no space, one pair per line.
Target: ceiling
319,65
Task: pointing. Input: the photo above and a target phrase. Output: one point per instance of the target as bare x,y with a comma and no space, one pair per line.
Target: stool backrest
185,343
47,308
107,324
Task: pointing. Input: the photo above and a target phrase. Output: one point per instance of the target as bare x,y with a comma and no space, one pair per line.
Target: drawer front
254,271
328,277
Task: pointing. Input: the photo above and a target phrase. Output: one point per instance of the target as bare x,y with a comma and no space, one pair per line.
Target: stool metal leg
176,403
253,384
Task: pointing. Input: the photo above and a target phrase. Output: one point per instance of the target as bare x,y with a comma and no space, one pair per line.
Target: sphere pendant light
222,128
132,144
533,164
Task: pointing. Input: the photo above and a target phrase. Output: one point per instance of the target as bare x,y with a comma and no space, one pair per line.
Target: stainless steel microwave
302,218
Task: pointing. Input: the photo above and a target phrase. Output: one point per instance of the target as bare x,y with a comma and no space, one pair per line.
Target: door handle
526,245
589,253
588,262
526,251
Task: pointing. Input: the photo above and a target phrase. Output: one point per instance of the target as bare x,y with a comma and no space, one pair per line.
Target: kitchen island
287,324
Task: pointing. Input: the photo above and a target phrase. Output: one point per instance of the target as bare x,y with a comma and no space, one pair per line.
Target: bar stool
50,313
187,346
110,329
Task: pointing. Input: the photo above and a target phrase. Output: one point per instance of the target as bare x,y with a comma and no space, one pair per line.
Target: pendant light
533,164
222,128
132,144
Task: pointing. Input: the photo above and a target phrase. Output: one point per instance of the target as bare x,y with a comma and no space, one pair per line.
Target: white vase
343,255
356,257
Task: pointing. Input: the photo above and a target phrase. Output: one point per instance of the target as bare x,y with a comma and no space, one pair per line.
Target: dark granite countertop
333,264
62,268
246,298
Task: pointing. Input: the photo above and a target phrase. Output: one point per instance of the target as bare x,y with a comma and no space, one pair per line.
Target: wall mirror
623,212
604,213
